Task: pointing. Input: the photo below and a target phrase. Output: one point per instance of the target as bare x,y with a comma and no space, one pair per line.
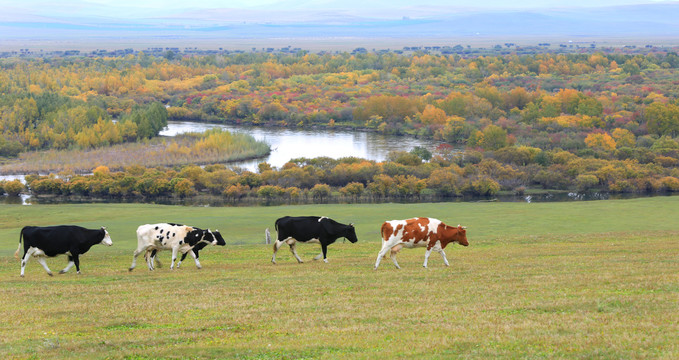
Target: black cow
50,241
196,239
309,229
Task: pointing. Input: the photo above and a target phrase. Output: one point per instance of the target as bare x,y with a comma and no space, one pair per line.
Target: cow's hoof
130,269
325,261
78,273
273,262
62,272
50,274
22,275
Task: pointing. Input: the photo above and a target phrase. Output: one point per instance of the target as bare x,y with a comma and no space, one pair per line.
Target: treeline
53,121
544,100
605,120
406,175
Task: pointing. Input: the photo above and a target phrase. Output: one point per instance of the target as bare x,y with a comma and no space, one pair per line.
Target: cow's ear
352,224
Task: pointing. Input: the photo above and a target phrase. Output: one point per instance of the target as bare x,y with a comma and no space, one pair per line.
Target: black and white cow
179,238
309,229
207,238
50,241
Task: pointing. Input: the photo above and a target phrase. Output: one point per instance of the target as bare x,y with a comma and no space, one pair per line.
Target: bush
320,191
13,187
586,182
670,183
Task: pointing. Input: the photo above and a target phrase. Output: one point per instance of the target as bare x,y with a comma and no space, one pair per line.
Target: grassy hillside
560,280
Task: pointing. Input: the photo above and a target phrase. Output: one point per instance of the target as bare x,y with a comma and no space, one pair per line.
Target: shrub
320,191
586,182
13,187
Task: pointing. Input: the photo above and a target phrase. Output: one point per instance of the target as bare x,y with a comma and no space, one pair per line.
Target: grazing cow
309,229
195,250
419,232
178,238
50,241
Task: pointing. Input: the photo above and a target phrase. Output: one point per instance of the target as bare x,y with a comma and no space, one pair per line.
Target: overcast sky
159,8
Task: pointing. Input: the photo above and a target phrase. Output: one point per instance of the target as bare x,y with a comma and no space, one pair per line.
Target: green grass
545,280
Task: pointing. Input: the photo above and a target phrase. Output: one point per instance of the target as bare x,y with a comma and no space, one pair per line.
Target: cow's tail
16,253
384,240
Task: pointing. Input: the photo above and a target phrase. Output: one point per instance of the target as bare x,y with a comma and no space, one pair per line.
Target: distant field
593,279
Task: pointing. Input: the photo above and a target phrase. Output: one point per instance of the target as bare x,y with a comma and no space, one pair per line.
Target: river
288,143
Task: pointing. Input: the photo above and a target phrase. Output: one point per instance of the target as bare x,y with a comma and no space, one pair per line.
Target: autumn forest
580,120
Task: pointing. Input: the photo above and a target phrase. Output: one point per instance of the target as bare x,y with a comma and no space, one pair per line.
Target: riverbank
209,147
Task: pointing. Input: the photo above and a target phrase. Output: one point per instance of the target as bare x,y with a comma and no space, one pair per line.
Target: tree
662,119
494,137
353,189
623,137
600,141
421,152
13,187
320,191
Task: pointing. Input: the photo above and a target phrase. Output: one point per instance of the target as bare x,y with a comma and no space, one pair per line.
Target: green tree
494,137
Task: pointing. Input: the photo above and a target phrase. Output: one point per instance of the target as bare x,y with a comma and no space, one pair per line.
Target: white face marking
107,239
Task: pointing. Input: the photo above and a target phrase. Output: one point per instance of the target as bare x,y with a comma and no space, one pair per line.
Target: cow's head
220,239
213,237
107,238
462,235
351,233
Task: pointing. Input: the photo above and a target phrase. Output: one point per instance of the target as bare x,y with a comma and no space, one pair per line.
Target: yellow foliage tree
623,137
601,141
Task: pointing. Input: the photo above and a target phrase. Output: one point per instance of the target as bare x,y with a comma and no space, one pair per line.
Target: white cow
165,236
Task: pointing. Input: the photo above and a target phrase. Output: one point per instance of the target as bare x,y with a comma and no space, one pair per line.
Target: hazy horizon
110,23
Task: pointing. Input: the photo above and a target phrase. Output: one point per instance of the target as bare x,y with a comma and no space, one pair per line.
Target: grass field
585,280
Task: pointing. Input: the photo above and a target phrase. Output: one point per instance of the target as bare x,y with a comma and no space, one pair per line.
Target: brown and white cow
419,232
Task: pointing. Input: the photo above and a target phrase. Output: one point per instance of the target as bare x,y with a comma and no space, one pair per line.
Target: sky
135,9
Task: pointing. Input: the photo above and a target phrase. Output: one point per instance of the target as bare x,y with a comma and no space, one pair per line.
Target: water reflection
288,144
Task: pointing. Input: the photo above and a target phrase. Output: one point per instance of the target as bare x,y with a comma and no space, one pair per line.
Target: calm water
288,144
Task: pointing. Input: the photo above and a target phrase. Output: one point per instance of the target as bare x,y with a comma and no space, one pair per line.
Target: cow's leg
134,257
393,252
426,256
175,250
195,258
41,260
385,247
68,266
276,246
324,248
293,250
76,261
443,255
179,263
150,256
24,260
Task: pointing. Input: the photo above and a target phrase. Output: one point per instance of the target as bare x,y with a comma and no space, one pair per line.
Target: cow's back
301,228
412,232
52,240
